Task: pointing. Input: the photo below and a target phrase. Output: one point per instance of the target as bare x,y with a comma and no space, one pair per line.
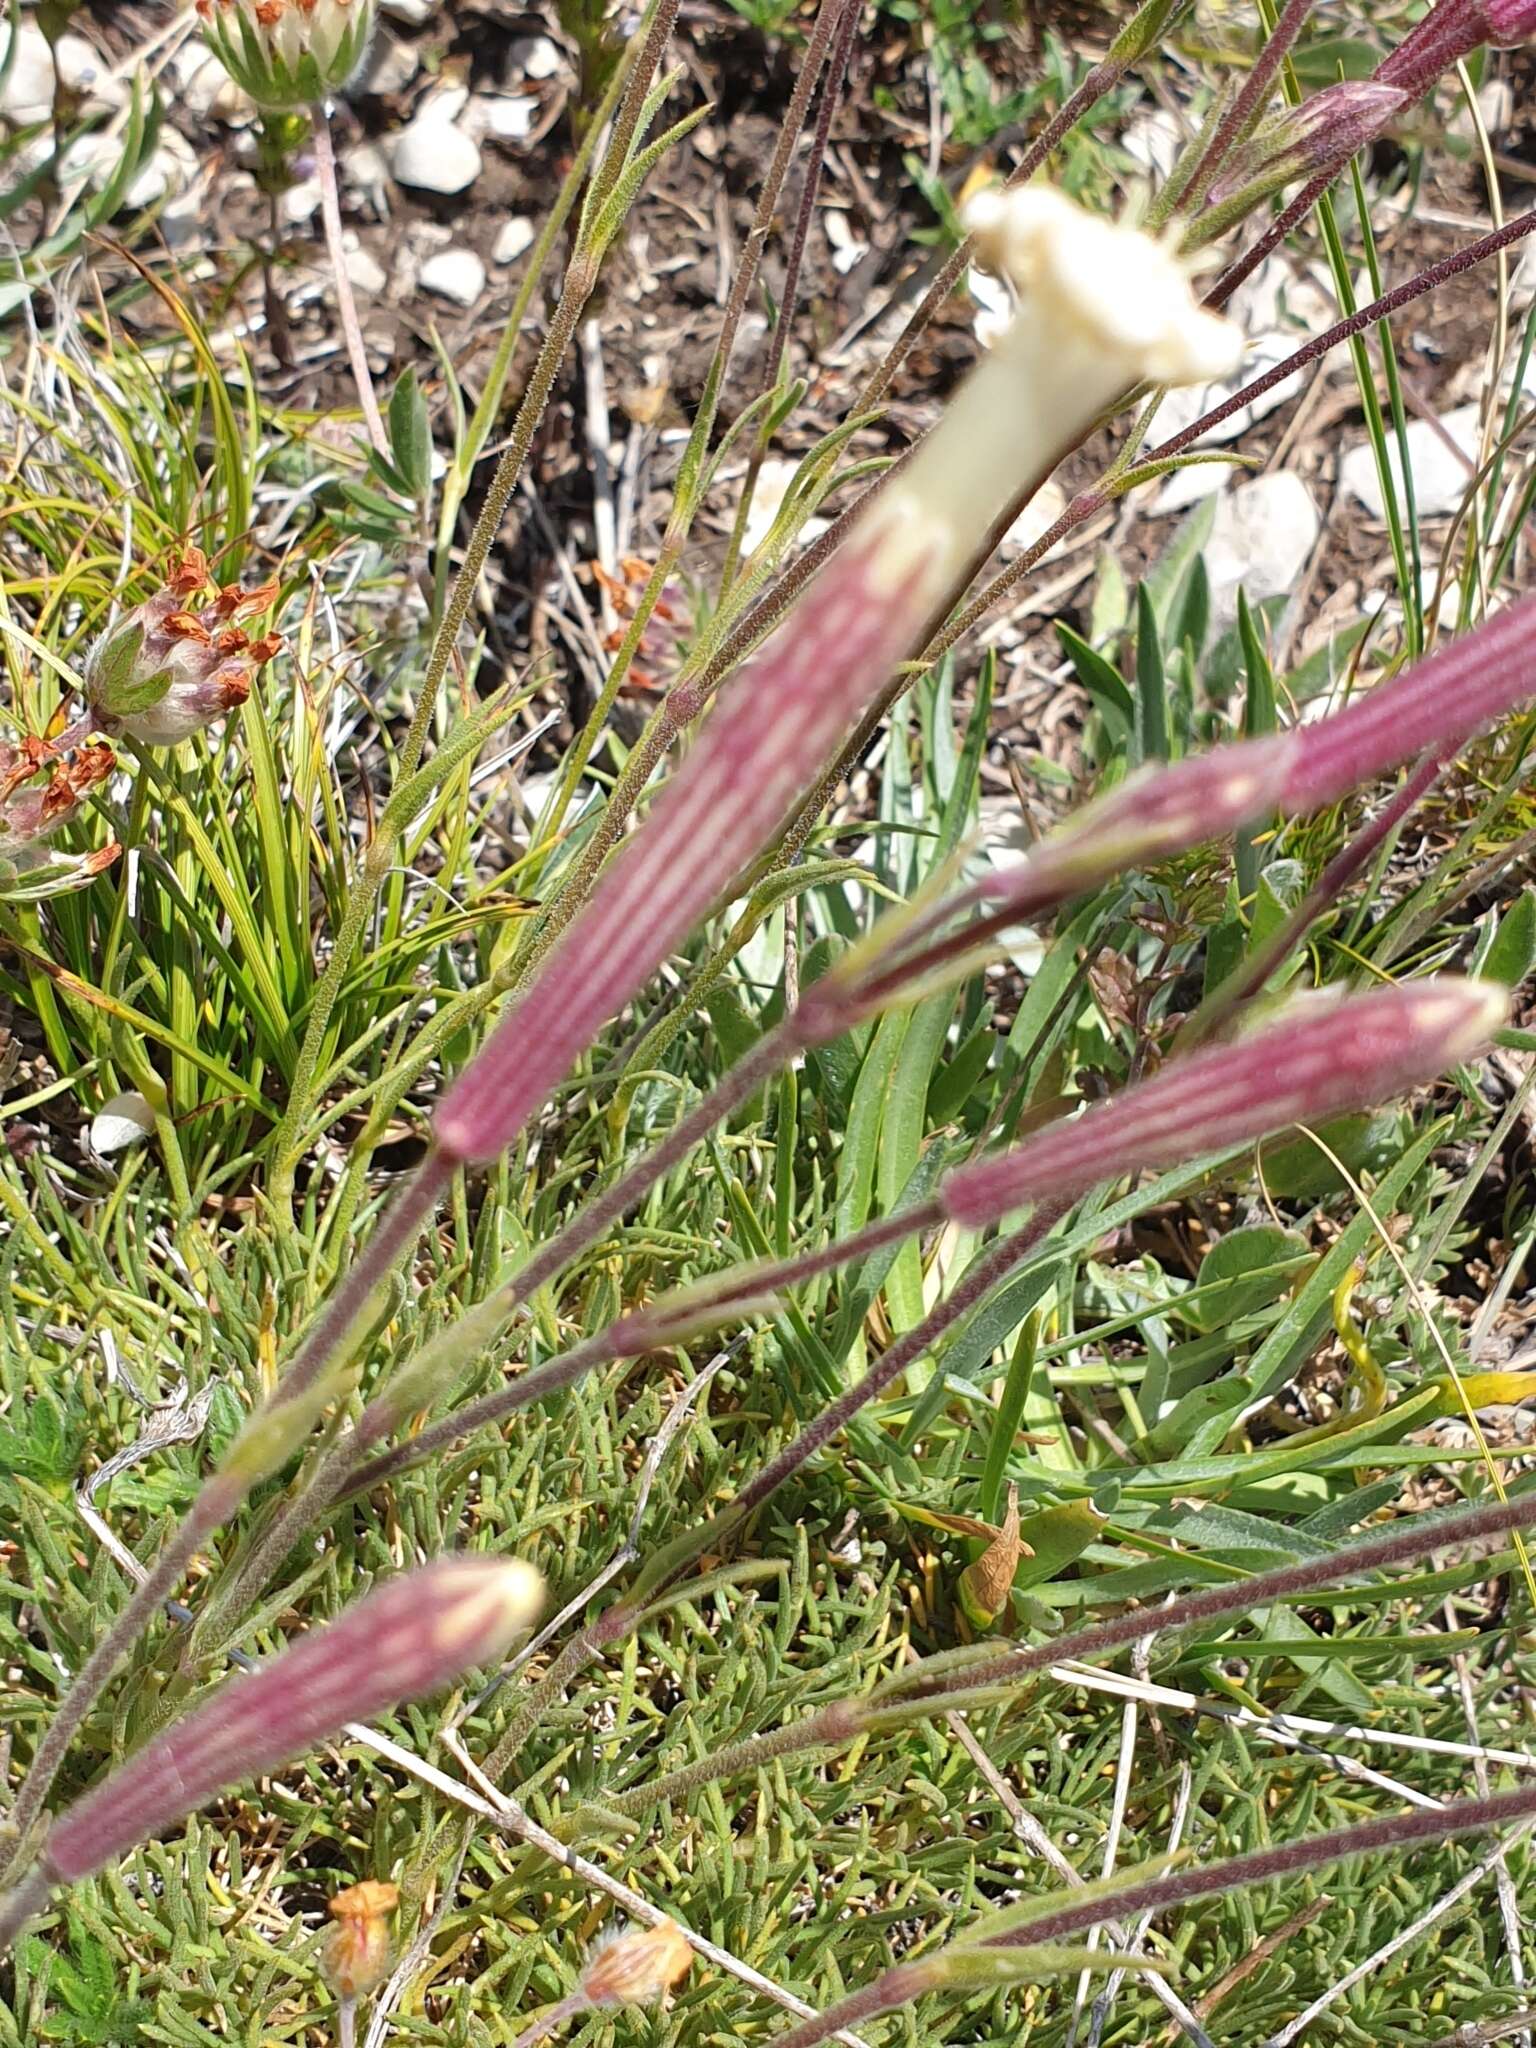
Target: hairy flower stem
216,1501
1246,108
1246,981
20,1905
664,725
559,1373
643,759
346,304
564,2009
848,14
1392,1832
1134,1897
580,281
617,1621
341,1469
919,1691
340,1325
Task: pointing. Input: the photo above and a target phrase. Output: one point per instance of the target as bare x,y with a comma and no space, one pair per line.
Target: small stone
365,170
205,89
301,202
445,104
456,274
1496,109
28,93
1181,408
365,271
1260,541
1442,474
1038,516
125,1120
434,156
85,72
535,57
180,221
516,235
95,160
1187,486
412,12
392,65
508,119
847,249
1153,139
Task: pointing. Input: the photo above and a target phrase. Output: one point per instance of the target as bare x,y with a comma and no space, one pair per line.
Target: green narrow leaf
410,435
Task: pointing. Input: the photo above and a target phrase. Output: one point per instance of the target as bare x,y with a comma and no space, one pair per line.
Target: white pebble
434,156
456,274
516,235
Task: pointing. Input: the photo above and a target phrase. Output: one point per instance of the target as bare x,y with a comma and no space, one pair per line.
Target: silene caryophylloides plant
1103,311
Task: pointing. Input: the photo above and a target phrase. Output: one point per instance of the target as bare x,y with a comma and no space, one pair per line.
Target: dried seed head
170,668
357,1950
638,1966
41,790
289,54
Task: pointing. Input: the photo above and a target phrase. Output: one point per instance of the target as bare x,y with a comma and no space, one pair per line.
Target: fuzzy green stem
580,280
341,1471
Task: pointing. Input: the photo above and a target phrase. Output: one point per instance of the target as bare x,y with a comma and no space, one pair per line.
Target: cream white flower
1102,308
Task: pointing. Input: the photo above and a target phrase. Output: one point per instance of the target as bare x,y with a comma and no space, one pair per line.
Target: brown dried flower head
41,789
174,665
637,1966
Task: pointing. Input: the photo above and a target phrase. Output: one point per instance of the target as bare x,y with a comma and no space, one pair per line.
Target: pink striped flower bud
1102,308
1325,1056
1450,31
1321,135
1436,705
1441,702
410,1638
1509,22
